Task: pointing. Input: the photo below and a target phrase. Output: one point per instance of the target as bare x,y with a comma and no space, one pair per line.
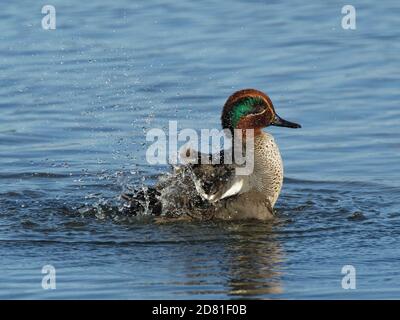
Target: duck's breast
268,167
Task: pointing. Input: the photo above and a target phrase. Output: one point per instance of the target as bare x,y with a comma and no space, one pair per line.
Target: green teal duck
216,191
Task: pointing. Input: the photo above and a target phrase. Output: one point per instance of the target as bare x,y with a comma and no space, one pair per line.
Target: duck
206,190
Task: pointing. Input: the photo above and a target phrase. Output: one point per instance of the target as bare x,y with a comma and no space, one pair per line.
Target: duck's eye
257,109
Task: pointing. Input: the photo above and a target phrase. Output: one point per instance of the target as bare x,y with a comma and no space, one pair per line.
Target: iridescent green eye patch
243,108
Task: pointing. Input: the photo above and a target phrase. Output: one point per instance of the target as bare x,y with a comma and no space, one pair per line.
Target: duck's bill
279,122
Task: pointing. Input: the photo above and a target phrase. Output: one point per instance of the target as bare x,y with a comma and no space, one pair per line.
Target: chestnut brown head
251,109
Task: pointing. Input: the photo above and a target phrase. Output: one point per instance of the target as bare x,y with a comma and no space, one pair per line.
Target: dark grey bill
279,122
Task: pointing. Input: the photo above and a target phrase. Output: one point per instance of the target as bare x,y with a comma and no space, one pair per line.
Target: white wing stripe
234,189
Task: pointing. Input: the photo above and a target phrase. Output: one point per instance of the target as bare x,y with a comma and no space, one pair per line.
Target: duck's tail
144,201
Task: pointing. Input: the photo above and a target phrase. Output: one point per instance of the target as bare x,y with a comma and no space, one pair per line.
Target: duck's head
251,109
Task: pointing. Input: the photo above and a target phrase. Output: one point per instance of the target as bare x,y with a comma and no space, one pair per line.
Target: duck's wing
215,182
218,185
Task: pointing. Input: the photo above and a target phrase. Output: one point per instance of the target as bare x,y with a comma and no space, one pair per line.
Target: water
75,104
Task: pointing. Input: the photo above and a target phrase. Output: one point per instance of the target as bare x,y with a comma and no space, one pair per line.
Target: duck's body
216,190
263,186
242,196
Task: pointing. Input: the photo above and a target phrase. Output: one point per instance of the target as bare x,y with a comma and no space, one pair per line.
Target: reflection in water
253,261
243,261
